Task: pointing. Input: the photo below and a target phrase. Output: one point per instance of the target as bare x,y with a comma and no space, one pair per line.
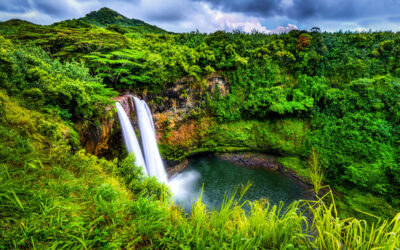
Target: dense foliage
46,84
335,95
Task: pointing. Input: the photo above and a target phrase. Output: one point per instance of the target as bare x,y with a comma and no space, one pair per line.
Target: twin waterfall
129,136
151,162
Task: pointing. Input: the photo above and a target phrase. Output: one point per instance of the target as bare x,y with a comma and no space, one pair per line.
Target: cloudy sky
210,15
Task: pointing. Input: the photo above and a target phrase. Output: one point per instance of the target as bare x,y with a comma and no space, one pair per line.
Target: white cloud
254,25
31,16
360,26
286,4
247,26
218,20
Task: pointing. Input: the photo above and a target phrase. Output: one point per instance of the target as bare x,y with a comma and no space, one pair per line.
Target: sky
267,16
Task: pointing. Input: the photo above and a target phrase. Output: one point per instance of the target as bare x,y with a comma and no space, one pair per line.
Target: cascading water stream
155,166
130,139
149,115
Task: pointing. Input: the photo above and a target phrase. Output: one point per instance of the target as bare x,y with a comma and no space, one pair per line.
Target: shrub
33,98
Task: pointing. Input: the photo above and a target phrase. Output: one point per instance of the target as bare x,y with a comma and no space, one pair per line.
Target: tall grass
303,224
316,171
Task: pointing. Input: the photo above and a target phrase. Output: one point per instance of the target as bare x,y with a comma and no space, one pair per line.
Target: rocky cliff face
99,139
126,101
182,120
172,110
95,138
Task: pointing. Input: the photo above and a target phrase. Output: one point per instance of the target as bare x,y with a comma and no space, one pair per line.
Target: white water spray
183,186
130,139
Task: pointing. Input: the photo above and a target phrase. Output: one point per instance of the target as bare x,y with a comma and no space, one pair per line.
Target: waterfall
149,115
130,139
155,166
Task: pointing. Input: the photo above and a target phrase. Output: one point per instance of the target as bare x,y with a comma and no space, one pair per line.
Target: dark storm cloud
395,19
55,8
17,6
253,7
309,9
168,15
59,8
43,11
306,9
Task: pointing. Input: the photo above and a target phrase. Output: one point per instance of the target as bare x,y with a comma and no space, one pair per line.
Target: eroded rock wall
103,138
173,110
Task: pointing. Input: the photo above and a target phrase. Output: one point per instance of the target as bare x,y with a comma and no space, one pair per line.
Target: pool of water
218,177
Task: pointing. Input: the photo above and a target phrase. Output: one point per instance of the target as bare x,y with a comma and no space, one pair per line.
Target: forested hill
105,17
100,31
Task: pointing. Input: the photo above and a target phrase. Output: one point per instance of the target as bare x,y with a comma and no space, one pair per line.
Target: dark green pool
220,177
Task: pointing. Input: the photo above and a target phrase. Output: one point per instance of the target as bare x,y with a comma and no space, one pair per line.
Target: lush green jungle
327,105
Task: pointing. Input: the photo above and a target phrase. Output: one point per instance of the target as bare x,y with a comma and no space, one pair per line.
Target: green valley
326,105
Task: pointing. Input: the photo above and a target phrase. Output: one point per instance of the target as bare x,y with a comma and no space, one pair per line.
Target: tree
315,29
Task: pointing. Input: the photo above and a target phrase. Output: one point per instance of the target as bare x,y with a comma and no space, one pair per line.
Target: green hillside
106,17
